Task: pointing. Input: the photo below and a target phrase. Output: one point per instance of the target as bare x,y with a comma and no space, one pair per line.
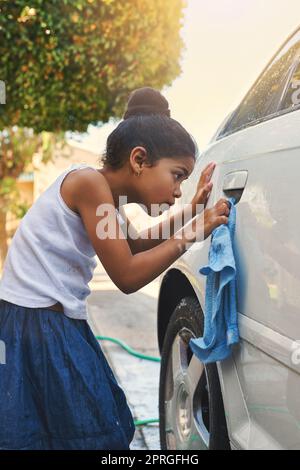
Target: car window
271,93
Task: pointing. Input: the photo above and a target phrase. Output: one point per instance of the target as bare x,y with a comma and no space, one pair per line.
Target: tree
71,63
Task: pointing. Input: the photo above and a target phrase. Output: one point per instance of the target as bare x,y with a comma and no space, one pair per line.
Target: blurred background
68,71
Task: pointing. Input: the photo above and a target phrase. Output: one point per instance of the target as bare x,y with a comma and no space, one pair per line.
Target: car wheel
191,409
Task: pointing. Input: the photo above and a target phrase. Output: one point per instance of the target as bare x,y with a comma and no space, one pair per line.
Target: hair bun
143,101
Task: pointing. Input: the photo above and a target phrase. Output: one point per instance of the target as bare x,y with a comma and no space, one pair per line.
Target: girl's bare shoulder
82,180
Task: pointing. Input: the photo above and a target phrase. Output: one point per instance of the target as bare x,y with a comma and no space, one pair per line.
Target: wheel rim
186,397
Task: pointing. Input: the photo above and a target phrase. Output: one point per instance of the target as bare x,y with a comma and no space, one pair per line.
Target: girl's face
161,183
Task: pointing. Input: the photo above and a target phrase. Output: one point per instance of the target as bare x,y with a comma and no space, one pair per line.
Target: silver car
251,400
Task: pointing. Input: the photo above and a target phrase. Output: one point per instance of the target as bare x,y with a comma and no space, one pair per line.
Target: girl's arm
142,241
94,202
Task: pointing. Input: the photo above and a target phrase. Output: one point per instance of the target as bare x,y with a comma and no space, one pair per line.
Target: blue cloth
57,390
220,319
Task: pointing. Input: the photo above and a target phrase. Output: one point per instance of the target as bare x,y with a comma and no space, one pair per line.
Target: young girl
57,390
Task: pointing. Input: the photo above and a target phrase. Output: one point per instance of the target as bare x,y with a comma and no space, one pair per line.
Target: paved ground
132,319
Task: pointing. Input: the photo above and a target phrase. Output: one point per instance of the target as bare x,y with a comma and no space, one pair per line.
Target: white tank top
50,258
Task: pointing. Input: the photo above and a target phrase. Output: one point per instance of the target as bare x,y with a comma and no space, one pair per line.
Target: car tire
191,410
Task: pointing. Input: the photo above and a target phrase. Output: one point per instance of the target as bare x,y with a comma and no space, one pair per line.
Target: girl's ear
138,159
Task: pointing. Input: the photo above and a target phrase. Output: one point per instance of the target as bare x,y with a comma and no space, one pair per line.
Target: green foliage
70,63
10,198
18,146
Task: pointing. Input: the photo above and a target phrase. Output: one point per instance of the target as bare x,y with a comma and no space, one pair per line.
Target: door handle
234,184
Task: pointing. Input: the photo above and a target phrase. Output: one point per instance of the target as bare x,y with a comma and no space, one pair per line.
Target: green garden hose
128,349
131,351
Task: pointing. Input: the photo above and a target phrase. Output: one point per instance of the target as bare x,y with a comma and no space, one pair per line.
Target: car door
258,153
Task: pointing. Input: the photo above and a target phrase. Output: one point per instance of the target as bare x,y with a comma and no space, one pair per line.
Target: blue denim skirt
57,390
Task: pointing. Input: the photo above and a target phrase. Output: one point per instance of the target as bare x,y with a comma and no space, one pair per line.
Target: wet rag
220,320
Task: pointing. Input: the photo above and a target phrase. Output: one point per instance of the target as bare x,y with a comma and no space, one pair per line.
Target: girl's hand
204,186
216,216
202,226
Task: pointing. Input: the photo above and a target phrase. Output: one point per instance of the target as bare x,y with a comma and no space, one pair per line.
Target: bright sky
228,42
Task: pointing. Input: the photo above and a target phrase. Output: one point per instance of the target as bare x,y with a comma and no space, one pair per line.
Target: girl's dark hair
147,123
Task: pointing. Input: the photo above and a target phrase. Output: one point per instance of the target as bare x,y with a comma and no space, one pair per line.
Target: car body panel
260,382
